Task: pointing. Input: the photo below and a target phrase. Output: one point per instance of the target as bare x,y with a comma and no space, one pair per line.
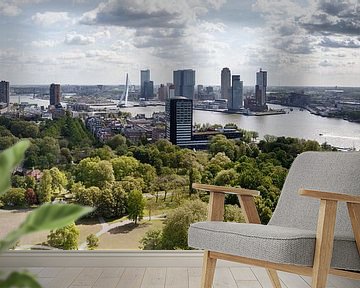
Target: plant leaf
20,280
9,159
46,217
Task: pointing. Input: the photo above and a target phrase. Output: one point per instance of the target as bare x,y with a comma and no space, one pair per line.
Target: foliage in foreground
46,217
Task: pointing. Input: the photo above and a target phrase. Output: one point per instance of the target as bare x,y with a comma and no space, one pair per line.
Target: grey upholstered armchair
314,231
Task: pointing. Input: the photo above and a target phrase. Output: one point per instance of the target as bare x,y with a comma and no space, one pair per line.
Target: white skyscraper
225,83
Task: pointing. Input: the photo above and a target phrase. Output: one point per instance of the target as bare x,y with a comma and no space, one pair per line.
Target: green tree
66,156
136,205
151,205
59,181
175,231
118,144
85,196
152,240
124,166
65,238
226,178
220,143
130,183
94,172
105,203
148,174
92,242
7,141
44,190
104,153
120,199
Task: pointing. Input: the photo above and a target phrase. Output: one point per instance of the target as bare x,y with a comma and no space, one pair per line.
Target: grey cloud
295,45
149,14
348,43
334,17
167,29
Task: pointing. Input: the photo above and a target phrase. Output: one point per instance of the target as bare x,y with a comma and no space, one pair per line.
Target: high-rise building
171,88
163,92
144,77
5,92
225,83
148,90
235,101
184,81
55,94
260,88
179,113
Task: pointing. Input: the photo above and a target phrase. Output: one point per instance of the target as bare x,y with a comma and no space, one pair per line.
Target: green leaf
46,217
9,159
20,280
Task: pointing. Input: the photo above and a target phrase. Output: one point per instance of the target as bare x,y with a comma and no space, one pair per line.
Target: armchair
312,232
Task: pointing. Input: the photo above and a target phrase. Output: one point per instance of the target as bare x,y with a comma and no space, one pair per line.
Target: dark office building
148,90
5,92
184,81
55,94
179,113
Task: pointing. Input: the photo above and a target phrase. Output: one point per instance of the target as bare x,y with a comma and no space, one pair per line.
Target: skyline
299,42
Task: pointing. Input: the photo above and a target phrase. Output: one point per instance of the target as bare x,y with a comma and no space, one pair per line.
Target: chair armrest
322,195
217,198
225,190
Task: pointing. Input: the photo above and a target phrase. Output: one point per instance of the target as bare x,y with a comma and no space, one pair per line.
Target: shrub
14,197
65,238
92,241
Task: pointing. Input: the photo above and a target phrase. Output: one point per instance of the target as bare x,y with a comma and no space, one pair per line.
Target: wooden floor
170,277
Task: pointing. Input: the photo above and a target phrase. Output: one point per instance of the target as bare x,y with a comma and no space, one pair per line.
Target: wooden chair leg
274,278
324,243
208,270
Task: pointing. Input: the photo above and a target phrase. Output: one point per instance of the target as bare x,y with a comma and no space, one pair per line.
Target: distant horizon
299,42
205,85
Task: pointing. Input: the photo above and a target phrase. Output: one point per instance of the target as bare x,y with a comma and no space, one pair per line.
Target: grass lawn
128,236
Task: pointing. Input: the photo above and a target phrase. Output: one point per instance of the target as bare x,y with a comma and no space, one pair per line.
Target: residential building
55,94
5,92
179,112
235,102
163,92
184,81
225,83
144,77
171,92
260,88
148,90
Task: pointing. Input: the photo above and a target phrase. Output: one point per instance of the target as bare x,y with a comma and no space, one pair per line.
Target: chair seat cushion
270,243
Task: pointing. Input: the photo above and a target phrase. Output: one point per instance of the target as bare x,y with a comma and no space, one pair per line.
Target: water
298,124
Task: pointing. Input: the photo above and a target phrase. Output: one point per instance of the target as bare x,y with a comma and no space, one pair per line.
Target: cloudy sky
299,42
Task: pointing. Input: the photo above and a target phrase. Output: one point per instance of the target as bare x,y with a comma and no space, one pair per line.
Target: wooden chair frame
324,235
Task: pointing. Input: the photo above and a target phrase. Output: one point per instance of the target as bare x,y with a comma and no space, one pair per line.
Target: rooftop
143,269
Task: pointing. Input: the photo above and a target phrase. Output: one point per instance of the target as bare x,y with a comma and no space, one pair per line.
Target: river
296,123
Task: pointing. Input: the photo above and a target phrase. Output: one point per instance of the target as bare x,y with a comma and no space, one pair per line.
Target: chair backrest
325,171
